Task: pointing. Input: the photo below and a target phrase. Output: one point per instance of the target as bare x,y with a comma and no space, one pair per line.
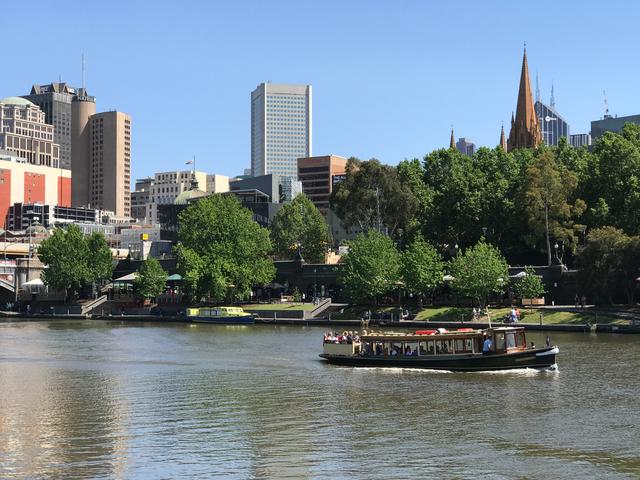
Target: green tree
66,255
546,199
222,252
151,279
100,259
529,286
370,268
421,267
300,224
478,272
372,197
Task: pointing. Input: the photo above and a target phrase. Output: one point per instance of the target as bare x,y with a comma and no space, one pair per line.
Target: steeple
525,129
452,143
503,139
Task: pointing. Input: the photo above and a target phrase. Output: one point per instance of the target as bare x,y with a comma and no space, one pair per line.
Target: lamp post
31,220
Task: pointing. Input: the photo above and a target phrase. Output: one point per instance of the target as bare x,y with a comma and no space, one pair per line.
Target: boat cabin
464,341
215,312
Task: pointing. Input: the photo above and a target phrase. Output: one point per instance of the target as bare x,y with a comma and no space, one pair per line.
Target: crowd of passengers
345,337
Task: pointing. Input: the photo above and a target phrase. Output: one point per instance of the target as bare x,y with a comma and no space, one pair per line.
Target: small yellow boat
220,315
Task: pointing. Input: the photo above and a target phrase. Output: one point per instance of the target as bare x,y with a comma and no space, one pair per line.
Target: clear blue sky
389,77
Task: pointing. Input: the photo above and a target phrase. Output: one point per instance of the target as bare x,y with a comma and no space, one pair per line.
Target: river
92,399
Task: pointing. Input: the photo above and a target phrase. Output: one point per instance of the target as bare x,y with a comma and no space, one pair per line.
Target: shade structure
127,278
174,278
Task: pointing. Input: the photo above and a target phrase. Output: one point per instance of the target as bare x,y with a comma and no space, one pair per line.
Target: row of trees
373,267
525,201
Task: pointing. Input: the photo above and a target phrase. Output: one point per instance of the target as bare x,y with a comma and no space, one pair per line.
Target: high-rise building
23,132
466,146
55,100
318,176
553,126
281,128
110,165
611,124
580,140
167,186
83,107
140,197
525,128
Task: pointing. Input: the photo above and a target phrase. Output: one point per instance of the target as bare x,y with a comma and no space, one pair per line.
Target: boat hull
539,358
239,320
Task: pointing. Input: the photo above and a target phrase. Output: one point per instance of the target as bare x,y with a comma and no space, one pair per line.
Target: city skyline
388,83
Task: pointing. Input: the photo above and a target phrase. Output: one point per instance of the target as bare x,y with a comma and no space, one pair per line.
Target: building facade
22,182
140,198
55,100
318,176
611,124
166,186
525,128
24,132
552,126
83,107
21,215
466,146
110,164
217,183
281,128
580,140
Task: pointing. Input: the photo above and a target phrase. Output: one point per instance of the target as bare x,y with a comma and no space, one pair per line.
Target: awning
36,282
127,278
174,278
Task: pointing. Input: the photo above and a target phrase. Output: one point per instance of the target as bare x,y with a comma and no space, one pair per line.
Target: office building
83,106
21,215
291,188
552,126
466,146
110,165
167,186
24,132
525,128
55,100
217,183
611,124
318,176
580,140
281,128
140,198
23,182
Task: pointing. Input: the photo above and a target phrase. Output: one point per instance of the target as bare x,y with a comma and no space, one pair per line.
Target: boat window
499,336
444,346
511,340
468,344
459,345
520,341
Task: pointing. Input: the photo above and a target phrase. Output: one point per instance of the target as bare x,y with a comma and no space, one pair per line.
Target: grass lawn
457,314
280,306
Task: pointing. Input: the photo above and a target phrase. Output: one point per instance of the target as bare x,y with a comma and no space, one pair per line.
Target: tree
370,268
151,279
66,255
222,252
372,197
299,224
546,199
529,286
421,267
478,272
100,260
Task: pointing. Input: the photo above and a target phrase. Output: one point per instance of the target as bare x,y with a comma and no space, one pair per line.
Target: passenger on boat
486,346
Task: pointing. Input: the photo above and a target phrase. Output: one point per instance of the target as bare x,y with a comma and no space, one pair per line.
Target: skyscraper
281,128
55,101
110,166
525,129
553,126
83,107
466,146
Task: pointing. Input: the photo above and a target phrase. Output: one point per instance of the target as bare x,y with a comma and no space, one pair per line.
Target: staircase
93,304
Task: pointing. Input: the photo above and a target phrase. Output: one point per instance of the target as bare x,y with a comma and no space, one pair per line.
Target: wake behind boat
220,315
463,350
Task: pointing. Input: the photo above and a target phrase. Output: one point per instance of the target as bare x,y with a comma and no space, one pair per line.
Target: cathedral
525,127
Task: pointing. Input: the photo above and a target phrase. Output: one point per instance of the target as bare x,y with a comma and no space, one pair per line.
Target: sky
389,78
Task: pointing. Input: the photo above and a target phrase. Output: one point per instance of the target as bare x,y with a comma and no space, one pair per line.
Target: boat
458,350
220,315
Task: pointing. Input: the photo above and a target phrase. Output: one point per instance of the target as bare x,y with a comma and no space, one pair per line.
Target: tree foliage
478,272
222,252
300,224
370,268
74,259
151,279
372,197
422,267
529,286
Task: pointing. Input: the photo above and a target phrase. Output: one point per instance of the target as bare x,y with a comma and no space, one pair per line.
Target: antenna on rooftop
83,70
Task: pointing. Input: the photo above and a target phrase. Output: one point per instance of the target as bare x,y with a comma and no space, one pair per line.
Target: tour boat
459,350
221,315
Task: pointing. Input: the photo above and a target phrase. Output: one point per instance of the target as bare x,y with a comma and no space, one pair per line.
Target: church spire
503,139
525,129
452,142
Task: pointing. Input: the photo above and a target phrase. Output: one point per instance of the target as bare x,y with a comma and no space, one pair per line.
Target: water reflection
83,399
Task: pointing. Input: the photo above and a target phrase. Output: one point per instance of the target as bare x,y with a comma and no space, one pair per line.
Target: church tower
525,129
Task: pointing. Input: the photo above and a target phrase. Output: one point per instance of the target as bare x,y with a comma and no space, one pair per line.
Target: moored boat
220,315
463,350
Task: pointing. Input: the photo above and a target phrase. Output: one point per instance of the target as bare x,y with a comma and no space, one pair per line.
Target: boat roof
436,335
